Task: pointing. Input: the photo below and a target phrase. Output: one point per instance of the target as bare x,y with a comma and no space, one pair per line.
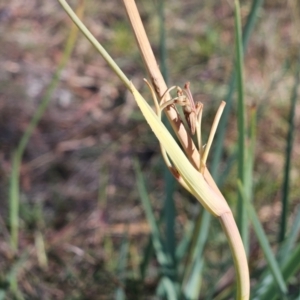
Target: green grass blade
12,274
168,282
288,154
183,245
291,266
170,215
162,40
290,240
147,254
169,180
263,241
14,180
53,84
192,274
241,209
193,285
198,240
120,293
14,202
165,289
156,236
251,154
220,136
162,257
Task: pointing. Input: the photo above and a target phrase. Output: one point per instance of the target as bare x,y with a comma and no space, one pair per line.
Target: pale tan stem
239,255
189,147
160,88
198,130
156,103
158,81
212,132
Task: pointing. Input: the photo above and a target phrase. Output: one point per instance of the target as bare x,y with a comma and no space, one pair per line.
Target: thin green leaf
147,254
192,287
169,180
241,116
263,241
162,40
163,259
288,155
283,255
199,237
17,157
290,267
170,215
166,289
219,140
14,202
184,243
121,268
290,240
220,135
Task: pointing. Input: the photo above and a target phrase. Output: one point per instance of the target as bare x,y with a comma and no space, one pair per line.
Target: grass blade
11,277
120,293
170,215
162,40
147,254
183,245
14,202
192,275
290,241
219,140
241,209
263,241
288,154
193,285
220,135
291,266
198,239
162,257
166,289
17,157
169,208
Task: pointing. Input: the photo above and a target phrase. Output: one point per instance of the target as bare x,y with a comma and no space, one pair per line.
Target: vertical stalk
288,155
241,209
169,180
218,149
239,255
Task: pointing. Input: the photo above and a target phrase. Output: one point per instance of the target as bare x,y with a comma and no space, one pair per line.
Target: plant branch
160,88
239,256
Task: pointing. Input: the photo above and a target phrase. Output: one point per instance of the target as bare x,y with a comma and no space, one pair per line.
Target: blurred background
78,199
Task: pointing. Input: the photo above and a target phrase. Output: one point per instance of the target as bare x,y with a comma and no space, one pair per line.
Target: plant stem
160,88
239,256
288,156
202,188
241,209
